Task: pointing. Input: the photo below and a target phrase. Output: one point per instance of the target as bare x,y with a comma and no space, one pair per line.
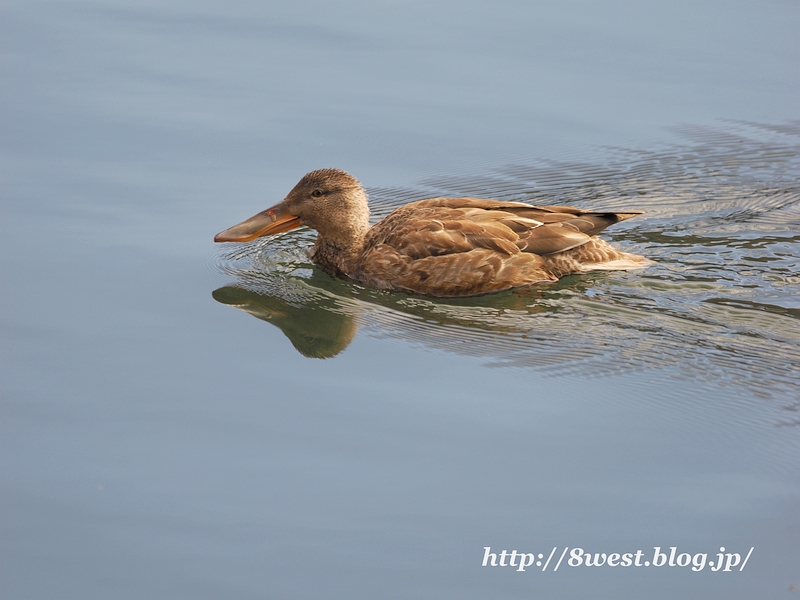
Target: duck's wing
441,226
464,246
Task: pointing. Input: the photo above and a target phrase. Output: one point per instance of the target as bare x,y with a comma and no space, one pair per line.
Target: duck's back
470,246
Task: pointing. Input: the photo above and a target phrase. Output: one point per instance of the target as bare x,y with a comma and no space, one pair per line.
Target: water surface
350,443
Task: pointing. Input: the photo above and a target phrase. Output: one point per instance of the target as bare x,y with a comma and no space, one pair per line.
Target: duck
441,247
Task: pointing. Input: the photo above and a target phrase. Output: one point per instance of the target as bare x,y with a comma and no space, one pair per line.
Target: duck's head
328,200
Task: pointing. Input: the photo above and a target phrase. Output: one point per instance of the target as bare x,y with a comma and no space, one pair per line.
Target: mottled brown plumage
440,246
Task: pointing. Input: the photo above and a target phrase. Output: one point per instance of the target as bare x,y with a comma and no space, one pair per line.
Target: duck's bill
268,222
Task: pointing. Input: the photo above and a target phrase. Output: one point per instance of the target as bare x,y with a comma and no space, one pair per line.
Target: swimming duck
441,246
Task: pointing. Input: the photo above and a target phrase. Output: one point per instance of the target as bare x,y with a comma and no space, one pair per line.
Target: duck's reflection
320,315
313,324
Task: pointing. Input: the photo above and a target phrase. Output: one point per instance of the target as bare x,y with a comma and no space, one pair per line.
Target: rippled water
157,444
720,301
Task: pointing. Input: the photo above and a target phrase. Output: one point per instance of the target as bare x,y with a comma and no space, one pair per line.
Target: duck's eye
316,193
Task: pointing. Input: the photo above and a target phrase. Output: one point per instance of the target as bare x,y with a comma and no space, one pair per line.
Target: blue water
157,442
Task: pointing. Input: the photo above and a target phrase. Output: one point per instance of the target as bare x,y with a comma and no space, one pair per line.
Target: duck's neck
338,256
340,253
342,229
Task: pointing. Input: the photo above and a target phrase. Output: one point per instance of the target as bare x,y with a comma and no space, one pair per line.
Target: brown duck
441,246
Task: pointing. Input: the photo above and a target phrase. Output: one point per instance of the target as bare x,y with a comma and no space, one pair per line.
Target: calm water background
157,443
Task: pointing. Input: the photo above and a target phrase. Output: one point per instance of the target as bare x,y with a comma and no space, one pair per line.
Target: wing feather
466,246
